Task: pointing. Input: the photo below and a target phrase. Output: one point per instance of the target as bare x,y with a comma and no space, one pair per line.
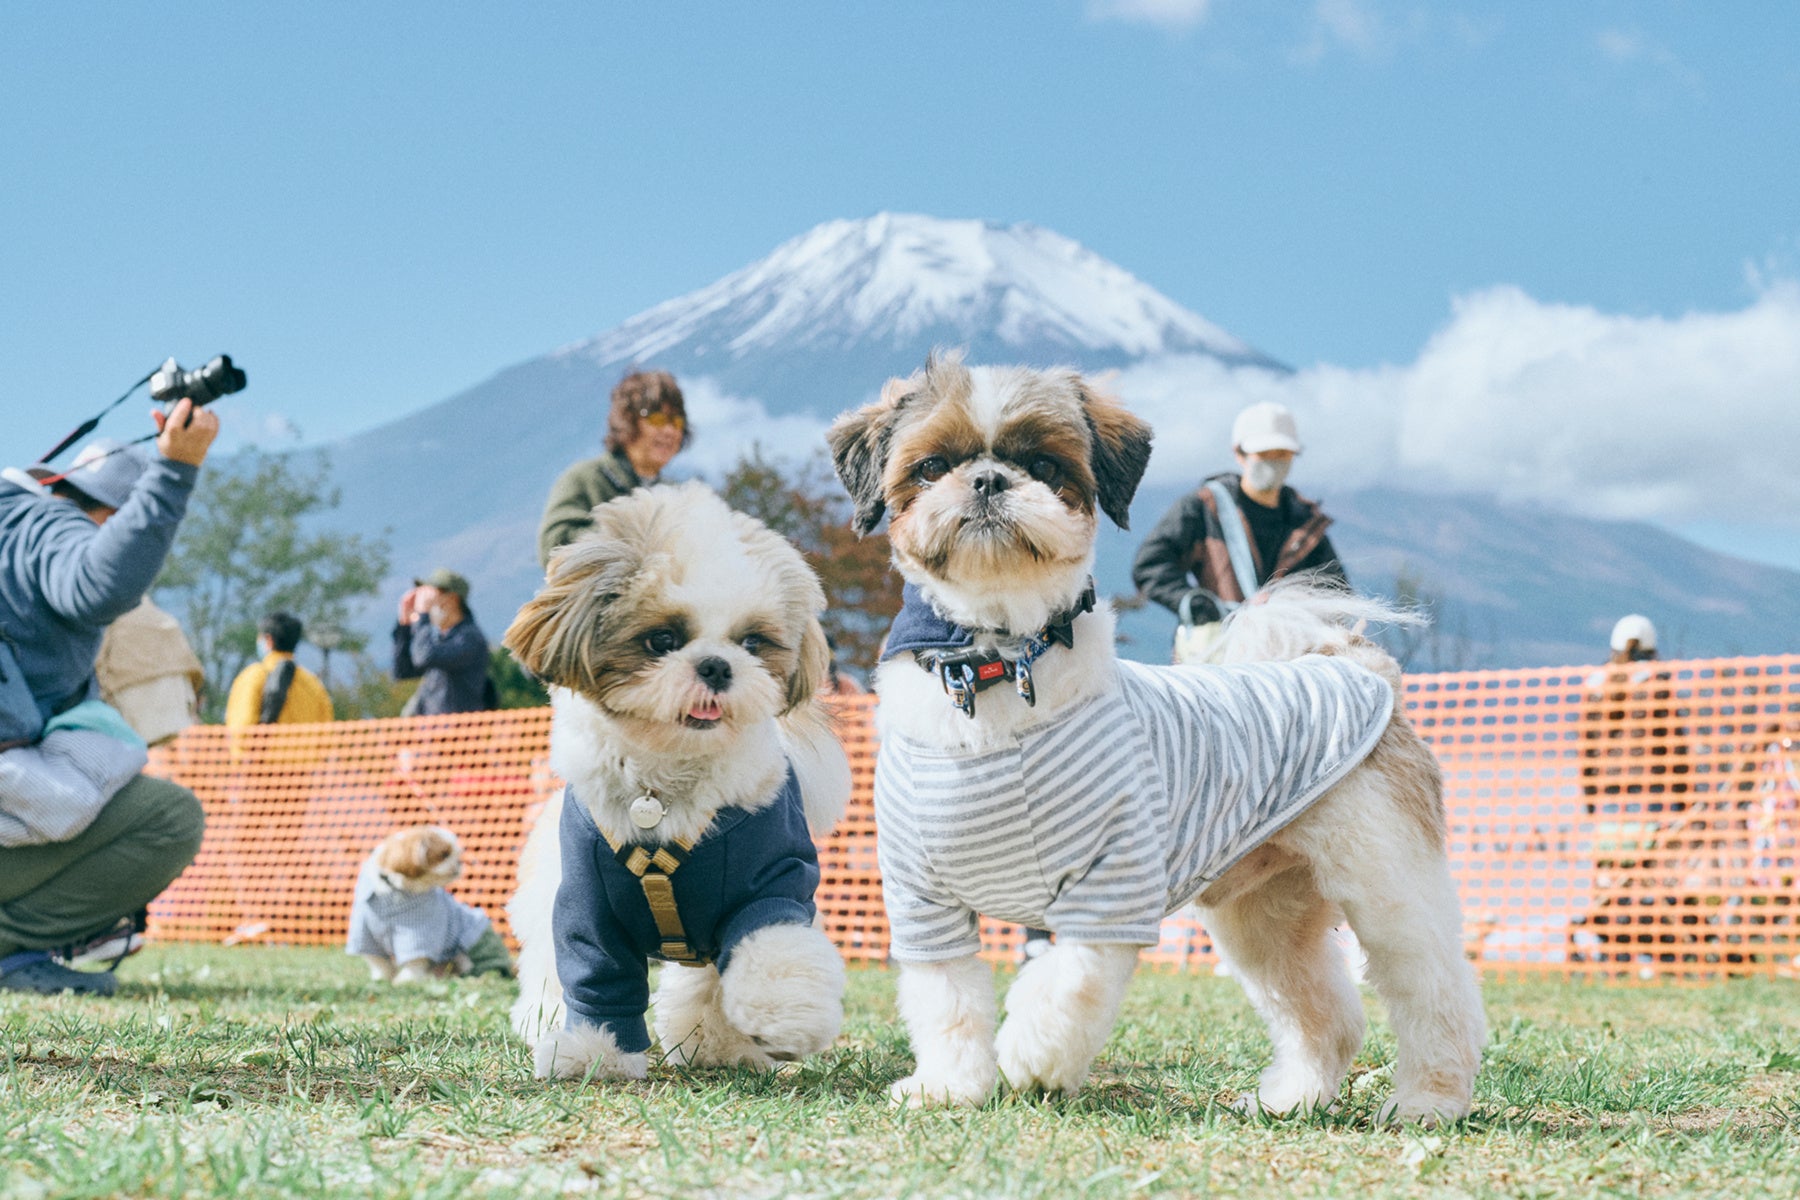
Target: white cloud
1351,25
1677,420
726,426
1666,419
278,427
1630,47
1621,45
1178,15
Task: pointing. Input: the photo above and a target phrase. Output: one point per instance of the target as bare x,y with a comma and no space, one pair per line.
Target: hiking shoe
112,946
35,971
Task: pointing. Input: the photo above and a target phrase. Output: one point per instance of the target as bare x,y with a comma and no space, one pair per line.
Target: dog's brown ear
859,450
406,851
1121,452
436,846
811,666
390,854
558,634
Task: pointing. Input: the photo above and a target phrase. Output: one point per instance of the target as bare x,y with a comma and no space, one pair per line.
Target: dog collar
965,670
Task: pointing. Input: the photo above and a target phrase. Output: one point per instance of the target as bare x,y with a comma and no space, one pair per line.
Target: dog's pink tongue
706,711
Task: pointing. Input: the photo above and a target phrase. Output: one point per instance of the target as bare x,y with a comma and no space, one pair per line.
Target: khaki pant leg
145,836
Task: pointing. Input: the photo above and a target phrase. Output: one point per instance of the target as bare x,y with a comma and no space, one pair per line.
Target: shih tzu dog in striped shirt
1029,775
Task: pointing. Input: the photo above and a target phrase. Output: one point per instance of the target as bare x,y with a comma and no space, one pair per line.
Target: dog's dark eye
933,469
753,642
662,641
1045,470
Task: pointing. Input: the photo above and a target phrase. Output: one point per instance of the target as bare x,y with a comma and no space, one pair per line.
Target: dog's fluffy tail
1304,616
819,764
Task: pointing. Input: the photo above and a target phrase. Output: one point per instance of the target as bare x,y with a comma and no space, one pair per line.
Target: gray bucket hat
105,469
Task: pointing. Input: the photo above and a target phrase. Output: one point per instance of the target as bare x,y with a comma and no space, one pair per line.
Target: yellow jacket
307,699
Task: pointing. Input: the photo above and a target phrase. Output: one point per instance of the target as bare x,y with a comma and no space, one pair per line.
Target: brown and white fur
631,715
418,859
993,479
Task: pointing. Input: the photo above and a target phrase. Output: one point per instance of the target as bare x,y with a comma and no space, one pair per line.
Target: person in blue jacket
73,557
437,642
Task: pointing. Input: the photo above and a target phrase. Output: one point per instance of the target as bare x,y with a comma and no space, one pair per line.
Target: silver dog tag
647,811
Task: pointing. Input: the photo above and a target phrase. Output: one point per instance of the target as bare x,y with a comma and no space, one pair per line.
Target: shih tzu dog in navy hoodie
683,648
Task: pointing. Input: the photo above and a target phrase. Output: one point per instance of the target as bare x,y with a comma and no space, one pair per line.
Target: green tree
807,505
516,687
370,692
247,548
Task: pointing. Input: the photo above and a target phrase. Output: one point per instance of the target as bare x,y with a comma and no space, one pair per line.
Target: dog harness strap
653,869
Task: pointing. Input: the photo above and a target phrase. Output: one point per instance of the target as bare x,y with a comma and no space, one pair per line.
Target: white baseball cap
1263,427
105,469
1635,627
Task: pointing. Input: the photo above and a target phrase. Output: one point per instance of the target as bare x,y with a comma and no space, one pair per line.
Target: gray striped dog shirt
1119,811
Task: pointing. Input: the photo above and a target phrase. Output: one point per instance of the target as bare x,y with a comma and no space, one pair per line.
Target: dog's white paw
784,990
1280,1103
1032,1060
921,1091
413,970
585,1052
1426,1111
1053,1027
691,1026
1288,1091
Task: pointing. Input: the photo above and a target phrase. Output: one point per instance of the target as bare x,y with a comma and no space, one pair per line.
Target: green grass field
282,1073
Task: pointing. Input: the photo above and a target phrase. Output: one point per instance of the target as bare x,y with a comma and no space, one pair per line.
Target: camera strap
88,426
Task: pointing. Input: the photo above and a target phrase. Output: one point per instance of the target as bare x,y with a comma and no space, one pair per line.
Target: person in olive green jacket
646,428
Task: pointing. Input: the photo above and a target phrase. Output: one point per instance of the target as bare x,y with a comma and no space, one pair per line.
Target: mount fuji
769,354
862,296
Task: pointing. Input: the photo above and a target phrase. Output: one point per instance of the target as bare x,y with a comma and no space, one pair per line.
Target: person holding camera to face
86,842
437,642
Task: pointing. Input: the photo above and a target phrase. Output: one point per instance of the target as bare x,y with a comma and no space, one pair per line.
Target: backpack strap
275,692
1237,541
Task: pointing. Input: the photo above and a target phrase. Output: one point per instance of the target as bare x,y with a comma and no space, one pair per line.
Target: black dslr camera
202,385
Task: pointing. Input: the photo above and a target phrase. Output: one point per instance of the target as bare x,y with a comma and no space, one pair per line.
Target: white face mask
1266,475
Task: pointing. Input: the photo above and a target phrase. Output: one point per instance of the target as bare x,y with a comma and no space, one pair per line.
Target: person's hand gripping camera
184,433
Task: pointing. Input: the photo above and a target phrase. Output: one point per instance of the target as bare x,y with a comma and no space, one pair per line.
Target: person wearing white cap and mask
78,549
1240,530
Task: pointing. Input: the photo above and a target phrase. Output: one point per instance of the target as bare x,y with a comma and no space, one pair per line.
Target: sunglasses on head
660,417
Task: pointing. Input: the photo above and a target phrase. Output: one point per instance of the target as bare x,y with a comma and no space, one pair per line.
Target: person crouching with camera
86,842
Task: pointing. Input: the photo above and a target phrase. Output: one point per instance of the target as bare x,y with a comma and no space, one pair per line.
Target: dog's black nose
715,673
989,483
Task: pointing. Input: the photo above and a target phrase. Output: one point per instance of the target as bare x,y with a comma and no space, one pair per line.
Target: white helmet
1634,628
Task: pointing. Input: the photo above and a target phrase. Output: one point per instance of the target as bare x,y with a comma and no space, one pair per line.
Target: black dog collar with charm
948,650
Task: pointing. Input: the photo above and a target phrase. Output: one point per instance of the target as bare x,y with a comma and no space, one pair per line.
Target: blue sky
373,206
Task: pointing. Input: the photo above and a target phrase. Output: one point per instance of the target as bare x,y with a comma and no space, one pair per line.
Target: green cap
445,581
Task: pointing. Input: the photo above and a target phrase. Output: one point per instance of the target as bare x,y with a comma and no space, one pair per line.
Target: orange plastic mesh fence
1626,823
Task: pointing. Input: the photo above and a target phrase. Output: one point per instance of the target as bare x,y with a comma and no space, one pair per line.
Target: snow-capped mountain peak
895,280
